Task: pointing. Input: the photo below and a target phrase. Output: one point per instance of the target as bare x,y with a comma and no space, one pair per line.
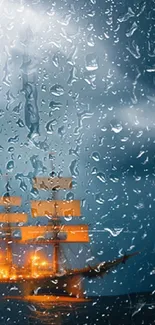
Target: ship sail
13,217
54,233
46,234
55,208
50,183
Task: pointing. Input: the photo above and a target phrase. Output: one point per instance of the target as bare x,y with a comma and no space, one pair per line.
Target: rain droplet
69,218
72,76
34,192
114,232
14,140
90,40
49,126
114,179
57,90
73,168
11,149
100,253
54,106
10,166
117,129
140,154
126,16
96,156
99,198
55,61
94,171
61,131
131,31
135,50
90,79
101,177
23,186
69,196
139,206
20,123
1,113
17,108
91,62
43,88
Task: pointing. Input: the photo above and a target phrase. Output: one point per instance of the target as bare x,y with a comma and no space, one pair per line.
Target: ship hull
57,288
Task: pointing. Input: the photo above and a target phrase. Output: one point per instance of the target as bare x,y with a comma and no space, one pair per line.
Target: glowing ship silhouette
38,277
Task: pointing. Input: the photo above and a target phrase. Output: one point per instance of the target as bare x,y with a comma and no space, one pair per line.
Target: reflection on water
59,313
128,309
54,313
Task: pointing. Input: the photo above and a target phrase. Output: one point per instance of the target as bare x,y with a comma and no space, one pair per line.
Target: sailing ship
38,276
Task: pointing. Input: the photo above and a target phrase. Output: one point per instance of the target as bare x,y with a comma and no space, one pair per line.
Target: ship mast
7,218
8,237
56,223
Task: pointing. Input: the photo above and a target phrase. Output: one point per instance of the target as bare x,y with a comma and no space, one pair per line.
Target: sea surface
135,309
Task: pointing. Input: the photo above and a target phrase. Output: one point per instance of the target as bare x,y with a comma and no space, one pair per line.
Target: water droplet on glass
14,139
20,123
96,156
54,106
23,186
34,192
94,171
117,128
57,90
126,16
114,232
73,168
69,218
99,198
134,50
55,60
49,126
114,179
101,177
91,62
139,206
61,131
100,253
131,31
72,76
69,196
43,88
1,113
90,40
11,149
10,166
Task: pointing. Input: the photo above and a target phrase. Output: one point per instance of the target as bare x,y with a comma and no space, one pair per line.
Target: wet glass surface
77,80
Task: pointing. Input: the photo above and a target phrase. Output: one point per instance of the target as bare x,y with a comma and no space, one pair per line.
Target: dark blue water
135,309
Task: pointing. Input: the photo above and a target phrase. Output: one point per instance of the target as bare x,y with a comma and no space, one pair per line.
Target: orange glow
74,233
34,258
11,200
55,208
13,217
4,273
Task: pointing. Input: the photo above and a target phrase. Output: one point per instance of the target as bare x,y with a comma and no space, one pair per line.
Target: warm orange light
3,273
34,258
13,277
